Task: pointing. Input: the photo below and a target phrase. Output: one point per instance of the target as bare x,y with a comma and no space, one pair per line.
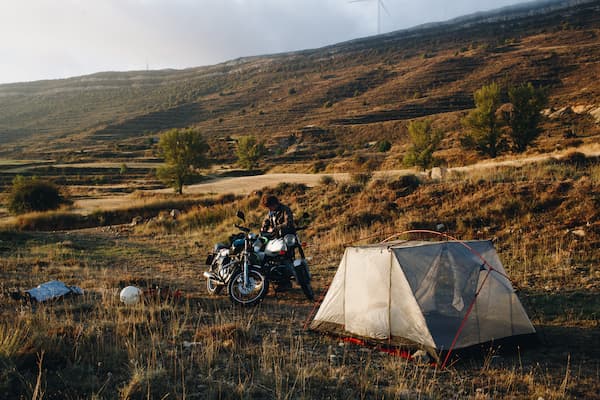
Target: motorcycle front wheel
258,286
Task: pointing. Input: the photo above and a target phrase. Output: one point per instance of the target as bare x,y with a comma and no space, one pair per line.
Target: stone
136,221
595,113
581,109
438,173
578,232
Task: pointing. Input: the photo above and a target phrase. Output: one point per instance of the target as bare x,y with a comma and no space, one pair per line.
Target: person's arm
266,225
288,220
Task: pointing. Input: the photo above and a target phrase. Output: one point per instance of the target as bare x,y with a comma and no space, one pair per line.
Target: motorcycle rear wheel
212,287
251,295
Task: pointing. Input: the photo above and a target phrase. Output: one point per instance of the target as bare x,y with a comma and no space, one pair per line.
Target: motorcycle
251,262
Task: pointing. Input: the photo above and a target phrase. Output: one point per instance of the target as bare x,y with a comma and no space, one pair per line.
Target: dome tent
441,295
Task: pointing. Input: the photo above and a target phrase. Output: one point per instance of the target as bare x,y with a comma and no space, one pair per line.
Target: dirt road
248,184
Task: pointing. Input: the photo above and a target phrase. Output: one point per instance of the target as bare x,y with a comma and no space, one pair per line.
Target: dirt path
248,184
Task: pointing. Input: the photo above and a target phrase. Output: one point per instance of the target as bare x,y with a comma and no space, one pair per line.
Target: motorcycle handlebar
242,228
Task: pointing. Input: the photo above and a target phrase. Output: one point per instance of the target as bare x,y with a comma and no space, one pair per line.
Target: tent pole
464,321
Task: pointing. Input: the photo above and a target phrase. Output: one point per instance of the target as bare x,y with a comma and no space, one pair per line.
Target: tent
440,295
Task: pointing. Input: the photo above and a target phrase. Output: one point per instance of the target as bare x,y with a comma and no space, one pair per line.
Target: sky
51,39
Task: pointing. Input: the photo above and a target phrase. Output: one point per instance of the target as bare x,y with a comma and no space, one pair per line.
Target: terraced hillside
356,92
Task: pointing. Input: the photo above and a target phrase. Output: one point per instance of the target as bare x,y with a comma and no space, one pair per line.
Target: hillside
323,103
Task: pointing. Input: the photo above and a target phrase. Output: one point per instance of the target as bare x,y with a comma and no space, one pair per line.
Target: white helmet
130,295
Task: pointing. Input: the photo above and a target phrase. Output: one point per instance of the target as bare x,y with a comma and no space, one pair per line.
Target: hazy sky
47,39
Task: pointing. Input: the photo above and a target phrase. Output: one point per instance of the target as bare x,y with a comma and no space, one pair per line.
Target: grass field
199,346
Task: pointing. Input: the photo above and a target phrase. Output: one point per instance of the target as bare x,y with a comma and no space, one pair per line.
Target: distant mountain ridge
359,85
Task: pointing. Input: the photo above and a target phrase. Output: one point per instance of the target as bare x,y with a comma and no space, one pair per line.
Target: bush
33,194
525,119
384,146
482,125
361,178
425,141
327,180
250,152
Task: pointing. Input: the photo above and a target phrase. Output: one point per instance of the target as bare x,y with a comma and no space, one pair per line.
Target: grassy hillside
356,92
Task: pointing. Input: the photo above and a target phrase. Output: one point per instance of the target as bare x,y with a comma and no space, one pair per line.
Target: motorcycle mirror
241,215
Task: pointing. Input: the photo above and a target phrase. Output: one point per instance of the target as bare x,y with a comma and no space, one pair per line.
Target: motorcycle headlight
290,240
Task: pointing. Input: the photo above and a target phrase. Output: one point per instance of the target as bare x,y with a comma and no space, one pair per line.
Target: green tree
184,151
249,152
33,194
425,141
483,126
525,118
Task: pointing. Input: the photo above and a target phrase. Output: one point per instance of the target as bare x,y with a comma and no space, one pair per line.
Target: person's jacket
279,221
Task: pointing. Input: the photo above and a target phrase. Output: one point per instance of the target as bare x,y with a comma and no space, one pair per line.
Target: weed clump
33,194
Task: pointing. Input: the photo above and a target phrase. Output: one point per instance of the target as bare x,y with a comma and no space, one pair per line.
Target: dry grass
546,229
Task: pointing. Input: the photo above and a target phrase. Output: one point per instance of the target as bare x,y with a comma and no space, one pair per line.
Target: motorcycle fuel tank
275,247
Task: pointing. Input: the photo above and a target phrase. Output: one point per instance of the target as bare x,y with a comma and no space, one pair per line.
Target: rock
187,344
558,113
438,173
581,109
578,232
595,112
136,221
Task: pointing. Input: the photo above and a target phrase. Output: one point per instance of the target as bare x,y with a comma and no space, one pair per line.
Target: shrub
525,119
384,146
483,127
319,166
327,180
33,194
425,141
361,178
250,152
405,183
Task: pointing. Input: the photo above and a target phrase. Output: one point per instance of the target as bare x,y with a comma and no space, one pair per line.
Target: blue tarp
52,290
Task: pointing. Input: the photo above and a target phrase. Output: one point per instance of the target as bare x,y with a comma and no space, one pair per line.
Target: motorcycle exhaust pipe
210,275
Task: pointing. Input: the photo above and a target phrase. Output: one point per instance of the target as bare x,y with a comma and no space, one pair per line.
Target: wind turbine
380,5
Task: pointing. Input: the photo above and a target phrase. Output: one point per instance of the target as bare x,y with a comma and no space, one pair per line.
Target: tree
184,151
482,124
33,194
425,141
249,152
526,116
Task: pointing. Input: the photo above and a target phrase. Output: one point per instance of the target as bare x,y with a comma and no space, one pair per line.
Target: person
279,220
